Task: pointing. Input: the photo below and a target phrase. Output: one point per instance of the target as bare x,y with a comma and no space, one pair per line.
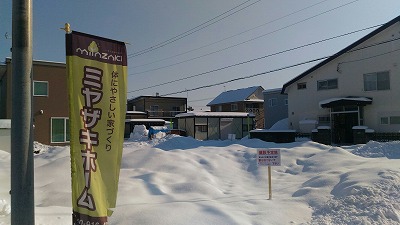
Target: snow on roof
272,131
254,100
135,112
273,90
144,120
235,96
360,99
308,121
214,114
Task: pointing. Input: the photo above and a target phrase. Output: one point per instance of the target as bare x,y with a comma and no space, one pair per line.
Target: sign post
269,157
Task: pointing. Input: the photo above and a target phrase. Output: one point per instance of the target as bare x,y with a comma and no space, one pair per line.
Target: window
324,120
154,110
327,84
377,81
301,86
234,107
272,102
175,110
219,108
40,88
286,101
384,120
59,130
201,128
395,120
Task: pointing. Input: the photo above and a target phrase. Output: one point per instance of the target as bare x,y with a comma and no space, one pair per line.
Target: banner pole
22,163
269,183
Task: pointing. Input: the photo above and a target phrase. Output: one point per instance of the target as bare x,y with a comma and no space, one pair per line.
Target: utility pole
22,180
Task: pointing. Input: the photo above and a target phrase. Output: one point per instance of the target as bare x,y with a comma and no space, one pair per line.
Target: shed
216,125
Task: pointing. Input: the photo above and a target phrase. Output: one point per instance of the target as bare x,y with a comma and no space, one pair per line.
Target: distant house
216,125
158,107
358,86
275,107
49,101
249,100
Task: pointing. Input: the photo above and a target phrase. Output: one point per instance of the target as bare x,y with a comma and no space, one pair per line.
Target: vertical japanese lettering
92,92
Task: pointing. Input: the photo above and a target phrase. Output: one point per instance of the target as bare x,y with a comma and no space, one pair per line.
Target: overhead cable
193,30
224,39
244,42
255,59
246,77
275,70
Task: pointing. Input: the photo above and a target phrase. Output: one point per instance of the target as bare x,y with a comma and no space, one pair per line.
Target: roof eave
361,40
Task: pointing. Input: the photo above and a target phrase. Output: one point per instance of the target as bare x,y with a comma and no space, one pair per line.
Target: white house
358,86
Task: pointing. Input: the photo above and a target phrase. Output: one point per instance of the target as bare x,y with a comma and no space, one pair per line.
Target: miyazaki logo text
93,51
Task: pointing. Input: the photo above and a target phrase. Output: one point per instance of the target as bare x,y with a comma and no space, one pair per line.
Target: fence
384,137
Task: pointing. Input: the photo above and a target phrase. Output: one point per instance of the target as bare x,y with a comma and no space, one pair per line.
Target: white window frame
272,102
47,91
327,87
376,75
385,118
234,107
302,86
66,121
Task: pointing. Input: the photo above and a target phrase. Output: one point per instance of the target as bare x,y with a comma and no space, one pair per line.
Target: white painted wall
349,69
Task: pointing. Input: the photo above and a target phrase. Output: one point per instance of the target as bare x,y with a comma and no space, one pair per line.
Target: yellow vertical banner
97,70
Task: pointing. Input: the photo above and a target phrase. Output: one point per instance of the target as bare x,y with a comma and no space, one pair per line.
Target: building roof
332,102
326,61
239,95
154,96
41,62
274,90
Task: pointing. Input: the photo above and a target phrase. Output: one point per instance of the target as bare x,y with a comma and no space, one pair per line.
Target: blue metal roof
238,95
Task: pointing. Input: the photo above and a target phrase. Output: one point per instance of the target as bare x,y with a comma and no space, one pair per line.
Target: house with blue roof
249,100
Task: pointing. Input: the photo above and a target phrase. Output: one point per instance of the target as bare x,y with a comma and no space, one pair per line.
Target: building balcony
255,111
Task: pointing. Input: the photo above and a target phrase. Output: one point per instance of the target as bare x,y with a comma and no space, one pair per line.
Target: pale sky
198,58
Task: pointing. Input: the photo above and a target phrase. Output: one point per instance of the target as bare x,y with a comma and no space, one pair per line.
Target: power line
269,22
284,68
255,59
244,42
246,77
193,30
199,100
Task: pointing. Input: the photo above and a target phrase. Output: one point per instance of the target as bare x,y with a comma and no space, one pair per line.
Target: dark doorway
343,127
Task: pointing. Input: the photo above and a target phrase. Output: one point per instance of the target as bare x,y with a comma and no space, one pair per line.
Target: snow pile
281,125
139,133
39,148
5,203
179,180
376,204
375,149
5,208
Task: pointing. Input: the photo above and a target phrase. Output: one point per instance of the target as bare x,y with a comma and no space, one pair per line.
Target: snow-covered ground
177,180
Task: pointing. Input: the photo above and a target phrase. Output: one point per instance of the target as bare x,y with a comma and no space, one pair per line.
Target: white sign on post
268,157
